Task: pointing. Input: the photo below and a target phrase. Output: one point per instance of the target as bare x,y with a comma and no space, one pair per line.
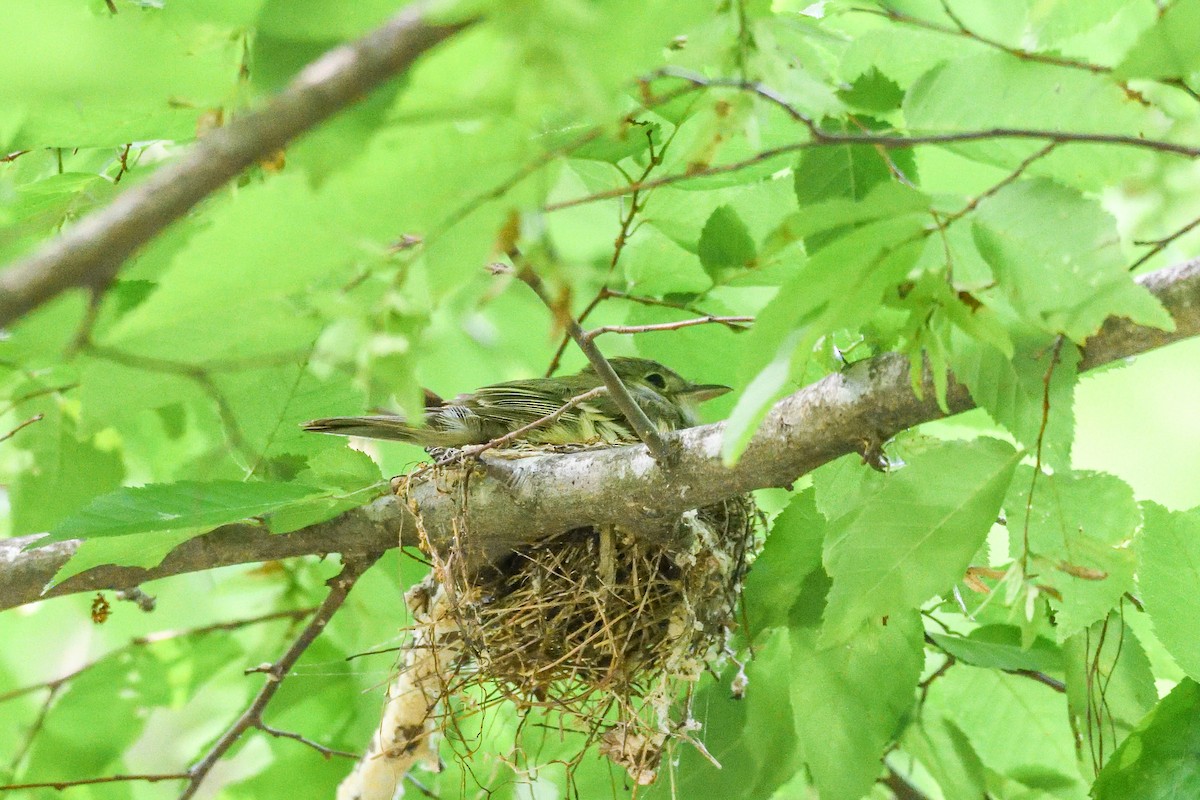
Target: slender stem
339,587
668,326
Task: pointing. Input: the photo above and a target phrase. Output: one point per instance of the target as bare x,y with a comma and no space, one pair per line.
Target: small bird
491,412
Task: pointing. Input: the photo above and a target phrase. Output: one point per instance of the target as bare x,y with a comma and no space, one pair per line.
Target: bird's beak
700,392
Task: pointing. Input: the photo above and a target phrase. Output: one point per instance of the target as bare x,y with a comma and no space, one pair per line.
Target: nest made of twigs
606,625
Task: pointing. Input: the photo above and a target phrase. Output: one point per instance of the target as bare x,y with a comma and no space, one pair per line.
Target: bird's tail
377,427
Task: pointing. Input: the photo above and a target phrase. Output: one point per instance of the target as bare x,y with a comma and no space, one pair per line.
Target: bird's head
647,374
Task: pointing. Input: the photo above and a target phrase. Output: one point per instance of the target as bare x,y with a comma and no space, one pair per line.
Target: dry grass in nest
608,628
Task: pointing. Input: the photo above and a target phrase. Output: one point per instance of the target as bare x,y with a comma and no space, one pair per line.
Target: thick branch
546,495
90,252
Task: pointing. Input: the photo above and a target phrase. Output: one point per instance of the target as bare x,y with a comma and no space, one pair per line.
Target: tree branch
340,585
90,252
546,495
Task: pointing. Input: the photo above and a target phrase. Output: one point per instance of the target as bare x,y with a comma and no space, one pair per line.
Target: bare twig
61,785
339,587
1158,245
637,418
737,323
1040,677
327,752
1011,177
900,787
25,424
90,252
823,138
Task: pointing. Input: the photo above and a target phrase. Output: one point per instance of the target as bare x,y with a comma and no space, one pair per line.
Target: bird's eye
656,380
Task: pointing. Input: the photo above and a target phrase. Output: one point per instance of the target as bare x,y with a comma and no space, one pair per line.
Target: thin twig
1040,677
740,322
339,587
1055,354
60,785
637,418
327,752
823,138
974,202
25,424
1158,245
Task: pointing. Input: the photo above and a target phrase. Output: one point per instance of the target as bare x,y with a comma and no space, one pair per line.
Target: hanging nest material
608,627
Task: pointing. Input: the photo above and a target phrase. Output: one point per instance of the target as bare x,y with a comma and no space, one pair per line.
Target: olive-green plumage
493,411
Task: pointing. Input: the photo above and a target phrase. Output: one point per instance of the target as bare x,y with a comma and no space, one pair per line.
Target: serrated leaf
1013,388
1168,554
1158,760
850,171
1057,258
1081,525
725,243
174,506
916,536
848,700
873,91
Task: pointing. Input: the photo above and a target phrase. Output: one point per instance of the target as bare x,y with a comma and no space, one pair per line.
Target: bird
491,412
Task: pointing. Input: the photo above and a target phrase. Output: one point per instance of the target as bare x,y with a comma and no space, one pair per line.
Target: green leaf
655,265
1017,726
174,506
1168,571
64,474
850,171
947,753
792,552
1057,258
1014,389
1158,760
845,484
735,730
916,536
725,243
982,92
1000,647
849,699
1168,48
873,92
1080,529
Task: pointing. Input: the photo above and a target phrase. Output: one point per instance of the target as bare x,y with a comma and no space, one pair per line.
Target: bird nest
608,627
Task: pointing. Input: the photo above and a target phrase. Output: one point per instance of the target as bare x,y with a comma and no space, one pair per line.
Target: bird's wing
519,402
